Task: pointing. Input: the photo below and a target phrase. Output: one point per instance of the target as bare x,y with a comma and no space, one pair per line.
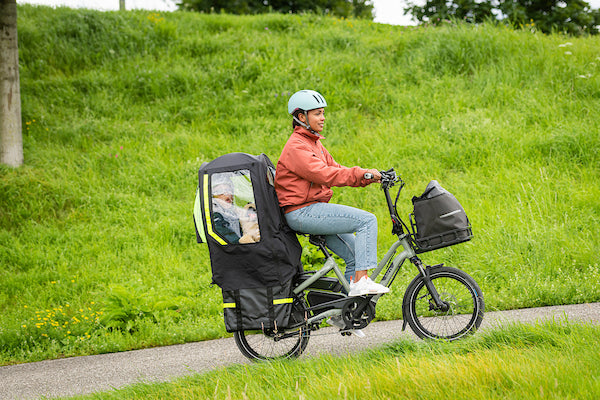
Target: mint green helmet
306,100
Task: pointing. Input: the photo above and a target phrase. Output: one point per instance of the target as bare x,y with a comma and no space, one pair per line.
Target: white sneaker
357,333
366,286
339,323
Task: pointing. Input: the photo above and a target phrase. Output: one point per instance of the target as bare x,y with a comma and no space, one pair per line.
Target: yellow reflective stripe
198,216
275,302
209,227
283,301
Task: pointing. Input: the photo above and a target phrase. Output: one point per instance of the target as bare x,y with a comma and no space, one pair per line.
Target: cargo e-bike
440,303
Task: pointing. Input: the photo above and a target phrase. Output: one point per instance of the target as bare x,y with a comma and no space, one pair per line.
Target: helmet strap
302,124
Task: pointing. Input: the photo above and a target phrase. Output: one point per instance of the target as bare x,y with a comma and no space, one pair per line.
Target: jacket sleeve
325,172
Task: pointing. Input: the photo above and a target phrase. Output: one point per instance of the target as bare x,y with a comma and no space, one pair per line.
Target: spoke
453,321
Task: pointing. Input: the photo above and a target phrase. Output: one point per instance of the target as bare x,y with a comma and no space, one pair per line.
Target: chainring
358,312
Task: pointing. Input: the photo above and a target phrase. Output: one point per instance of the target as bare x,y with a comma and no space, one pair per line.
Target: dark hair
296,114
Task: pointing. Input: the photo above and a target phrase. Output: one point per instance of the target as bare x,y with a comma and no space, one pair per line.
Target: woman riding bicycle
305,174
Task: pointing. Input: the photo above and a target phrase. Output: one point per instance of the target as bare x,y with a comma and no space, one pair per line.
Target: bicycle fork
424,271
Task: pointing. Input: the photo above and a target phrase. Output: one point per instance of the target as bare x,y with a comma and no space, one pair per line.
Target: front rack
434,242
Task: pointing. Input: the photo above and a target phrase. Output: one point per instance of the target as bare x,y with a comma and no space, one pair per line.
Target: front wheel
462,310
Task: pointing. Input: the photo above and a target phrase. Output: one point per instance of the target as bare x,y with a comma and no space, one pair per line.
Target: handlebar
389,178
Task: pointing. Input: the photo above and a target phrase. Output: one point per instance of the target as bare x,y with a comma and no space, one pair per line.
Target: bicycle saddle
317,240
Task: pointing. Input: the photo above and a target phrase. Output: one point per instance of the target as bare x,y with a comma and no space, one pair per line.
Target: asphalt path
88,374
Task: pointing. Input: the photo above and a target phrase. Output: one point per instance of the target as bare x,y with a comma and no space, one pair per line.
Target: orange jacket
306,172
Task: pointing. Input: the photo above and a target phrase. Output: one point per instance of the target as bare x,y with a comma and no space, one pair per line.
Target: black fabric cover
272,261
439,219
257,309
252,272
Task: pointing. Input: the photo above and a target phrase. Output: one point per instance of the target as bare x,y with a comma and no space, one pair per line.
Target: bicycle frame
391,260
421,304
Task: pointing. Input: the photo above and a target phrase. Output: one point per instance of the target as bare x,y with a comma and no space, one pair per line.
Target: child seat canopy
237,214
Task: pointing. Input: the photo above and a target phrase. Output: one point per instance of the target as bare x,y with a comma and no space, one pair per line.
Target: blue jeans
338,223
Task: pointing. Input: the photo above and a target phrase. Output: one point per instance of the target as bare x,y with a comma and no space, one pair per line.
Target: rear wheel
271,345
268,345
462,310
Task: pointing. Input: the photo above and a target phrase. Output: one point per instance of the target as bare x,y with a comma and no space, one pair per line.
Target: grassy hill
120,109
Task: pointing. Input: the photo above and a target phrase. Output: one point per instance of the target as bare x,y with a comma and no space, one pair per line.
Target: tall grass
551,360
120,110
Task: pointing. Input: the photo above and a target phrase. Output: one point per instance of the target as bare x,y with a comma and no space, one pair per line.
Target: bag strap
271,306
238,308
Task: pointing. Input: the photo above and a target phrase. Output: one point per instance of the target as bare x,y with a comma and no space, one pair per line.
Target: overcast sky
386,11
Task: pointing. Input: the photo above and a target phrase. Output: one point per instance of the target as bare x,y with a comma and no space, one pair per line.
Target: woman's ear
302,117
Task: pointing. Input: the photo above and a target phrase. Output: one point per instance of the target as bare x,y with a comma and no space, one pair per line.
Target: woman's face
316,119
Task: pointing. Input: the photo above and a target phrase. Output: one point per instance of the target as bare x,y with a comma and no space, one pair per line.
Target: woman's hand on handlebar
373,175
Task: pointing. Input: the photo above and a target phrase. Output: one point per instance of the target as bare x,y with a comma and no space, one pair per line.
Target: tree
11,139
436,10
341,8
570,16
574,17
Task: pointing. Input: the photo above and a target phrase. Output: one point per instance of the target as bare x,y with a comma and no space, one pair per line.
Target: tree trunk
122,5
11,139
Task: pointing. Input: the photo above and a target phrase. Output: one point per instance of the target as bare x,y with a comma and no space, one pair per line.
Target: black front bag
255,259
438,219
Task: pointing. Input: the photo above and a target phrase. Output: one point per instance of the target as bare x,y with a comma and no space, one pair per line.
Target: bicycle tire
269,345
257,345
460,292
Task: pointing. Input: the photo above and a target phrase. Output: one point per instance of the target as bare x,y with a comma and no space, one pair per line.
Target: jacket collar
310,135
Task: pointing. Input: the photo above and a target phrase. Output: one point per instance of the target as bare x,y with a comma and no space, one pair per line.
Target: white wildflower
565,44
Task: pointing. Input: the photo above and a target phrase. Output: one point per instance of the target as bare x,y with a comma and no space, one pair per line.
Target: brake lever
387,177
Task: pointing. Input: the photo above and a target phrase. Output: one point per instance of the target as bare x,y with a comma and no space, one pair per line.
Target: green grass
120,109
546,361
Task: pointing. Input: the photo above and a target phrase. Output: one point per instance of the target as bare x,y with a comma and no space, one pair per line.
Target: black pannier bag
438,220
254,254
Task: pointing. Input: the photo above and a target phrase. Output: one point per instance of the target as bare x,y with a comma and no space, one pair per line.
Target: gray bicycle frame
393,263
